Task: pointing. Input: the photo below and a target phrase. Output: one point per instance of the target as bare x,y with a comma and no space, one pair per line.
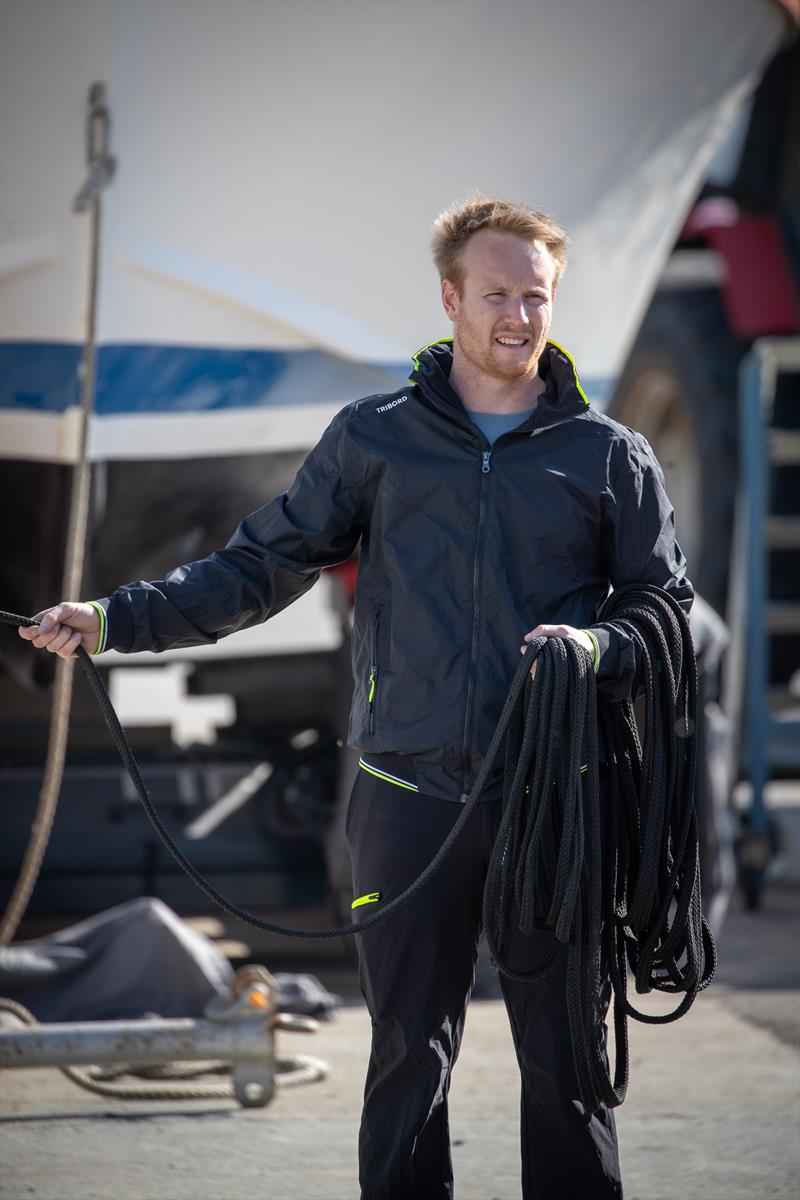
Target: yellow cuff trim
101,640
596,645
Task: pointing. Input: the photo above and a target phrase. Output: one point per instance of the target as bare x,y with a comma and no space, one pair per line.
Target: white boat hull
279,166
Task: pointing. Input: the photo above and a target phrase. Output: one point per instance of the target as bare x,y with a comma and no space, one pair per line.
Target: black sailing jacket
463,549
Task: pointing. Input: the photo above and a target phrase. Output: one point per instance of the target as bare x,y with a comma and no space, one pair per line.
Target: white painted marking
239,794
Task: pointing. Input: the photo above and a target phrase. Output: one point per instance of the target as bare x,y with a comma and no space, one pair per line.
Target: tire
679,388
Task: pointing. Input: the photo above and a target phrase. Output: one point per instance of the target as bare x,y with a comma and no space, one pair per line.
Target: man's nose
517,311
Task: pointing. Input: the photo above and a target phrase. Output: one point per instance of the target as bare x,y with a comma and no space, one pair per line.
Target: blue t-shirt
495,424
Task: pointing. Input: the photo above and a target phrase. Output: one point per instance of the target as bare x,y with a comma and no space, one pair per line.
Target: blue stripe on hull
37,376
43,377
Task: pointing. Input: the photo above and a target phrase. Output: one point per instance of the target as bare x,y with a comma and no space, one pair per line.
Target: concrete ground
713,1108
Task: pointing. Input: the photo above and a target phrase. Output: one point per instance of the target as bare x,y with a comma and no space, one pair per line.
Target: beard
486,356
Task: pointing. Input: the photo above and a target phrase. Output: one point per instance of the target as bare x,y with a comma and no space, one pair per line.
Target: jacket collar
563,395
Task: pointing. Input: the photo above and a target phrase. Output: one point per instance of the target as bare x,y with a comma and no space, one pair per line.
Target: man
488,500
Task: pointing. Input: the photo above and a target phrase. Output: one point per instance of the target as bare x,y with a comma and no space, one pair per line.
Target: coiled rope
614,876
618,884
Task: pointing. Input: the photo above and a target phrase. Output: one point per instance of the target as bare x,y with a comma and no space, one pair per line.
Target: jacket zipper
485,469
476,576
373,673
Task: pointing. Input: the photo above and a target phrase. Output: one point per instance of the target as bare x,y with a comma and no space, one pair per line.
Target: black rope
126,754
614,877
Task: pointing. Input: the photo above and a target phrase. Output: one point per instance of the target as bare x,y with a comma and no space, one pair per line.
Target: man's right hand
63,628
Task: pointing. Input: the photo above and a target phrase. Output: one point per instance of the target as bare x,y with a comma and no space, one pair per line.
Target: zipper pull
372,677
487,454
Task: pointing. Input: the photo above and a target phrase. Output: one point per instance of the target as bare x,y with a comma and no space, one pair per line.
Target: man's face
502,313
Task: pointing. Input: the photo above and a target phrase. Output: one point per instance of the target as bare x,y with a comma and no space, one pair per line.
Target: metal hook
102,164
98,125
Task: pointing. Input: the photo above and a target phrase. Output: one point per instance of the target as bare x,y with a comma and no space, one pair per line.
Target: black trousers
417,972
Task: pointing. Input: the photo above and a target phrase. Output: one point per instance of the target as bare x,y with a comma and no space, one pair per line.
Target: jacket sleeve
639,547
275,555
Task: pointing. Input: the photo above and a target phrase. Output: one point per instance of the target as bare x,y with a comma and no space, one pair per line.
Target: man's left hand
561,631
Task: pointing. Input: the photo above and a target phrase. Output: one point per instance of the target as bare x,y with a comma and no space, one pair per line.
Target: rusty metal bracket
237,1028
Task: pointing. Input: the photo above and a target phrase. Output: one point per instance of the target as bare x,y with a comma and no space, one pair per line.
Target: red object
758,291
346,573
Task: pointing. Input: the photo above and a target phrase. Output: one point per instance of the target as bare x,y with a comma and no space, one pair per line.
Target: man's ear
450,298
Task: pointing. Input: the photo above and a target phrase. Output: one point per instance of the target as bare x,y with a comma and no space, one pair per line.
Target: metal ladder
763,680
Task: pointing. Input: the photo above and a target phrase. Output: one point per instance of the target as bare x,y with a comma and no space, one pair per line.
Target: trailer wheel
678,388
